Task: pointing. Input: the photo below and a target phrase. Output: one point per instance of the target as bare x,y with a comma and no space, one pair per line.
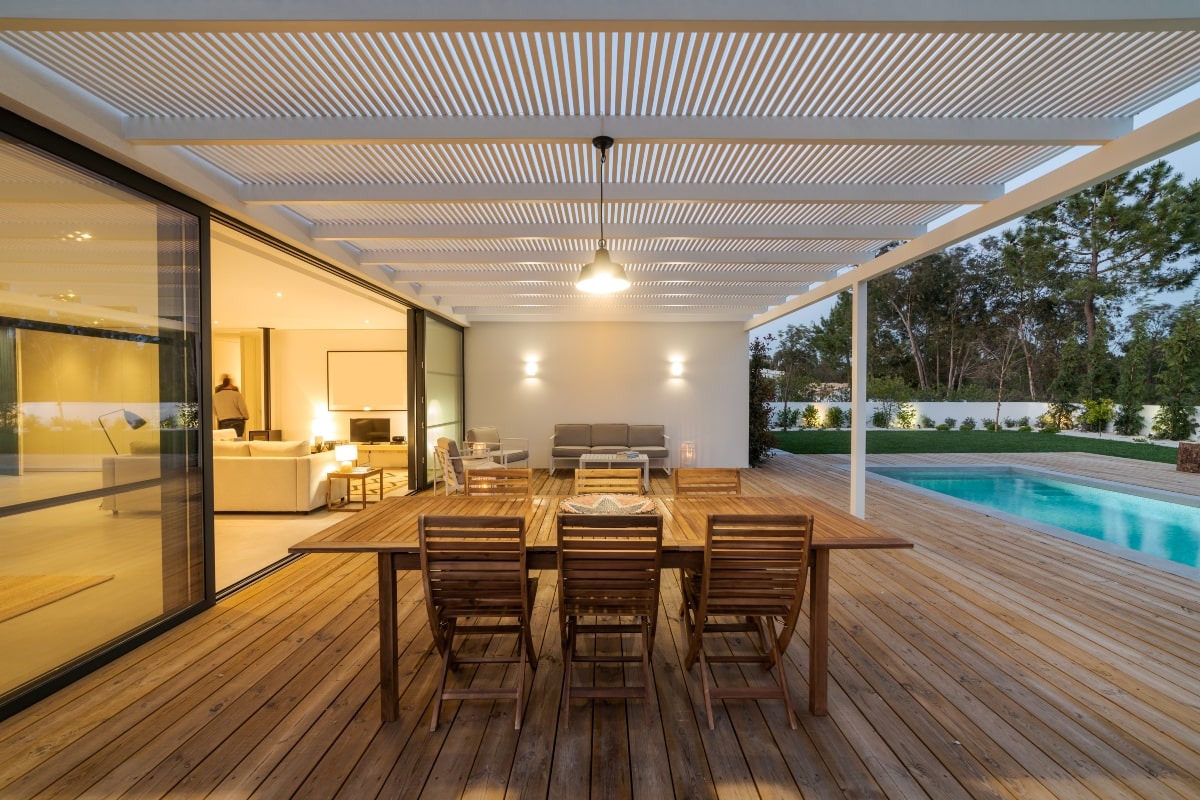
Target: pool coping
1154,562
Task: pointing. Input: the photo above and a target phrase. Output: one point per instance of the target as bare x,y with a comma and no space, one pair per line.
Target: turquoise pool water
1145,525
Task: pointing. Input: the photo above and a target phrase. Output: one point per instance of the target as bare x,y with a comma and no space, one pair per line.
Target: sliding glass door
101,501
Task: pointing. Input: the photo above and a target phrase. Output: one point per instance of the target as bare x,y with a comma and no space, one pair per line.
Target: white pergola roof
759,162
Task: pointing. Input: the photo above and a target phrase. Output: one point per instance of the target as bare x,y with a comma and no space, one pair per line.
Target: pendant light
602,276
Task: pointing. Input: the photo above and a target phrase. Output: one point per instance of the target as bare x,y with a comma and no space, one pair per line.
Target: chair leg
568,648
781,675
447,660
707,690
647,676
520,686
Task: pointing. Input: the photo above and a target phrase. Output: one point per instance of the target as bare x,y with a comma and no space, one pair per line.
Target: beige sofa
124,470
271,476
570,441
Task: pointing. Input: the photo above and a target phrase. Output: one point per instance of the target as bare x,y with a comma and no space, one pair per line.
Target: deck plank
989,661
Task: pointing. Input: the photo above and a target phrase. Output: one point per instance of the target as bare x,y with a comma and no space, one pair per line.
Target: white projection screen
367,380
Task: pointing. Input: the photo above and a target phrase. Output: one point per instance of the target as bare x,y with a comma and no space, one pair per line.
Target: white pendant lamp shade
603,275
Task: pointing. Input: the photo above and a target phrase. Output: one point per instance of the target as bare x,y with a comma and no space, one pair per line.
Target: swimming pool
1151,526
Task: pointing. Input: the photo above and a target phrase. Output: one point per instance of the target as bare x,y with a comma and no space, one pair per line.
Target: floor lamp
131,419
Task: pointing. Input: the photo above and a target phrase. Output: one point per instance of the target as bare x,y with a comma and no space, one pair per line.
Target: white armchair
454,465
508,450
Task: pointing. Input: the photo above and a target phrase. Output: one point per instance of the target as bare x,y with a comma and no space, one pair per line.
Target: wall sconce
531,368
347,454
676,368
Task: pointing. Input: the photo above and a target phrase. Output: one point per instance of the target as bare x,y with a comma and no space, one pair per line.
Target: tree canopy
1061,307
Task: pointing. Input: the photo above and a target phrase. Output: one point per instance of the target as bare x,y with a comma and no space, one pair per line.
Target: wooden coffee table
360,475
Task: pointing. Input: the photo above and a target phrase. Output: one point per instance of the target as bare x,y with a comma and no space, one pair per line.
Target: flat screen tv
370,429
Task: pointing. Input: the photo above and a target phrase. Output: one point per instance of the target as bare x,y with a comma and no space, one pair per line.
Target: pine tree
762,391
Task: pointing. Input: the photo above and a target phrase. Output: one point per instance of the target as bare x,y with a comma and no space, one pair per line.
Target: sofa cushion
646,435
224,448
224,433
569,451
610,434
652,452
571,435
608,450
279,449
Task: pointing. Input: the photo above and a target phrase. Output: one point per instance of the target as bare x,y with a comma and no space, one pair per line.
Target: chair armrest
523,443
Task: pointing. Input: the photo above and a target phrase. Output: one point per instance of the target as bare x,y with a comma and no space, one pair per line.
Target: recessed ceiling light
77,236
279,294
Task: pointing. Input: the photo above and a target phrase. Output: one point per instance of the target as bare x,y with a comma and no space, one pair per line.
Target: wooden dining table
389,530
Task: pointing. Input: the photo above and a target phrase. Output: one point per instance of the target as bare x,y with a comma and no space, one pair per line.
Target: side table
362,476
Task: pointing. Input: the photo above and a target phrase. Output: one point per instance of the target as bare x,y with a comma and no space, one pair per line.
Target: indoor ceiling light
602,276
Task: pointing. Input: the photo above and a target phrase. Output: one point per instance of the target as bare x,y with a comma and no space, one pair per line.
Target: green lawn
979,441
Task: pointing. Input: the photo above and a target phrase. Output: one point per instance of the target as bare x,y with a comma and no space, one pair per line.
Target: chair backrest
608,481
756,565
707,480
503,481
486,435
451,467
472,566
609,564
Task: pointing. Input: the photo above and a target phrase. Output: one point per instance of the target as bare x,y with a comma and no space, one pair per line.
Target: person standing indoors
230,406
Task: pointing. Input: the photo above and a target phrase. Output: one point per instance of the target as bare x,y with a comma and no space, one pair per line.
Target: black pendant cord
603,158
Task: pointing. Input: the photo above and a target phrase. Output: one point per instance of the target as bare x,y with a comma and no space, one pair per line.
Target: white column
858,398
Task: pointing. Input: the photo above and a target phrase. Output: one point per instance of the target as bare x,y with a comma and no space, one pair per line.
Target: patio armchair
455,466
754,573
609,568
474,568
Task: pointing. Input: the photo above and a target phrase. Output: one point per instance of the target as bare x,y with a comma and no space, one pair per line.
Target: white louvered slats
754,158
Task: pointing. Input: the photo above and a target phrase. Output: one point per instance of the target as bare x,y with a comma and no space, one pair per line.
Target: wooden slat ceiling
449,158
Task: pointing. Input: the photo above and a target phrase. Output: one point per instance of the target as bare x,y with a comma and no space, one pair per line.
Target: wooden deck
989,661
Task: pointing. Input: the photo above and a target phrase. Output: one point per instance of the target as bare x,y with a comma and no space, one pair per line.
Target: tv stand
384,455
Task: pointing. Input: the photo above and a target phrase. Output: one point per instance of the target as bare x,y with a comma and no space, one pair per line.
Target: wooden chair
707,481
699,481
608,568
503,481
474,569
754,573
608,481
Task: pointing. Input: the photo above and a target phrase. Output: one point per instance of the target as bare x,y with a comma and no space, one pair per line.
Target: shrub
881,417
906,417
786,418
951,422
990,425
835,417
1009,422
811,417
1050,429
943,427
1025,429
1061,415
1097,414
927,422
1023,422
968,424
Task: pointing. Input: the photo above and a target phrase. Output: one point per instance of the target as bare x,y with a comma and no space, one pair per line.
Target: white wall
613,372
298,385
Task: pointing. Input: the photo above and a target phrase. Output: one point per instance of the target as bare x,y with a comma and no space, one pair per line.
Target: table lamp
347,454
